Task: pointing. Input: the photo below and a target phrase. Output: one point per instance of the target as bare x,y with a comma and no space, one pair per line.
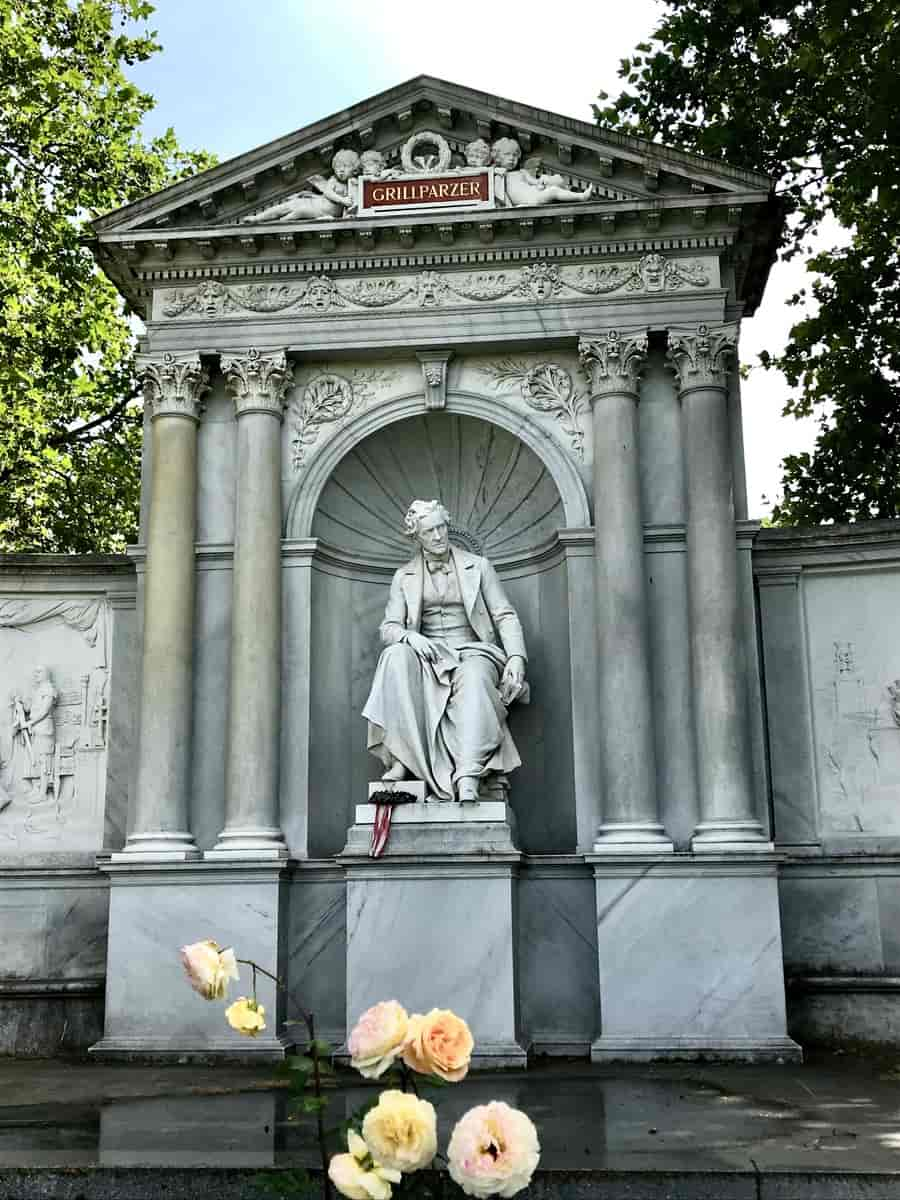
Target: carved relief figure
454,662
331,197
528,187
33,721
894,693
478,153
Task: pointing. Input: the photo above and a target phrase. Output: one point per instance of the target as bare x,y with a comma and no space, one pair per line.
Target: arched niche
505,503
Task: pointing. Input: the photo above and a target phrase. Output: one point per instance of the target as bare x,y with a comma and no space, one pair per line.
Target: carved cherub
478,153
894,693
331,198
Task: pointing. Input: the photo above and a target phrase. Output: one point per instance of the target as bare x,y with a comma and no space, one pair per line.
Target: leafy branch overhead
805,92
72,148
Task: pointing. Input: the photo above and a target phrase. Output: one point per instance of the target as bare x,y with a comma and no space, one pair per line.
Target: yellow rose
377,1038
357,1176
209,968
246,1016
401,1131
439,1043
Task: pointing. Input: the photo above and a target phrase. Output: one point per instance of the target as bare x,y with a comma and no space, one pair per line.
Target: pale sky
233,75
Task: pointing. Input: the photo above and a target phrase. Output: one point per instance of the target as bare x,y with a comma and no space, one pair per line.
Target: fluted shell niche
501,499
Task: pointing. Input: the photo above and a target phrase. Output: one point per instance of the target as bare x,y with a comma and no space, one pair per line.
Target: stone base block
439,828
151,1010
690,959
437,935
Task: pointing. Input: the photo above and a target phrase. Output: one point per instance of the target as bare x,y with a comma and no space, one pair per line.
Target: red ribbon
381,829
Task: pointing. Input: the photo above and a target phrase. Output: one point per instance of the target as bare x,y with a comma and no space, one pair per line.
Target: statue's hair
418,510
506,144
481,144
345,156
370,154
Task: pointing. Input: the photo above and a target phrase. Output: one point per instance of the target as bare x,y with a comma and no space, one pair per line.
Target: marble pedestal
432,923
690,959
155,909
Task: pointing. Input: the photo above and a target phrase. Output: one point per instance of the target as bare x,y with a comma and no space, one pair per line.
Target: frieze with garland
534,283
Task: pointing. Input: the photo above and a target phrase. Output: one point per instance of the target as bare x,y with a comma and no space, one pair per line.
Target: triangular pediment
619,169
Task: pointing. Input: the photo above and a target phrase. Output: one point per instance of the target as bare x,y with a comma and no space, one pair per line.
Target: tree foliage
804,90
70,148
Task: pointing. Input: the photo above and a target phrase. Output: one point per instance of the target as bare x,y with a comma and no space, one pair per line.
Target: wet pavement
830,1128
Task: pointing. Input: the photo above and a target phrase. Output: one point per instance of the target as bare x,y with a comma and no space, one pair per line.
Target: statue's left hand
513,679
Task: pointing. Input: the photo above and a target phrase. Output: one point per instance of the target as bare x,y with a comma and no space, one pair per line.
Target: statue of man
454,662
39,729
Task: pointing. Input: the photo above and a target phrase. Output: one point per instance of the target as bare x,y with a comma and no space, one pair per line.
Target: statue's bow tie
438,566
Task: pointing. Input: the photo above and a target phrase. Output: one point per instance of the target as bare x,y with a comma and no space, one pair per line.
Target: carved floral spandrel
547,388
330,397
534,283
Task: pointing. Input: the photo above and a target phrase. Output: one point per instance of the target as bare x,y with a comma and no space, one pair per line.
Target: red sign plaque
414,191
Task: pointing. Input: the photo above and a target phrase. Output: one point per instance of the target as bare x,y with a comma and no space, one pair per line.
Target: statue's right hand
422,646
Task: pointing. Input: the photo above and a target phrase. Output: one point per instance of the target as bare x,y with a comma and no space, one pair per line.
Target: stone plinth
433,922
690,960
151,1011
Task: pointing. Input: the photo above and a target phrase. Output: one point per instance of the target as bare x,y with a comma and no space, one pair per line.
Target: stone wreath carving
537,283
330,397
547,388
415,164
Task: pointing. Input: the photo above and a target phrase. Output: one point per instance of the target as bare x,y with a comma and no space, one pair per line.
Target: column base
632,837
159,846
695,1049
261,842
730,837
142,1048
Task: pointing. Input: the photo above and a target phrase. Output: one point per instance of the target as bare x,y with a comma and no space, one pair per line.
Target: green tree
803,90
71,148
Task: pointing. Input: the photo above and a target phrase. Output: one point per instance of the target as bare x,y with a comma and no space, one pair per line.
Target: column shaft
718,656
254,726
160,820
630,811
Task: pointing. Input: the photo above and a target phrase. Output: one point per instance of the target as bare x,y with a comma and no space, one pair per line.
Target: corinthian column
630,814
173,391
259,384
701,358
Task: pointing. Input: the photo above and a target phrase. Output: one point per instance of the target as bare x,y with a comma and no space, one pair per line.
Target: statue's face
506,157
433,535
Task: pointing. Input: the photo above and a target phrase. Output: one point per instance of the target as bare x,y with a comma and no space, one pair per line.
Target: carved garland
537,282
328,398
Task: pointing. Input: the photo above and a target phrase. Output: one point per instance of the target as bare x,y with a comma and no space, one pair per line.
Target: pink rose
493,1151
377,1038
209,968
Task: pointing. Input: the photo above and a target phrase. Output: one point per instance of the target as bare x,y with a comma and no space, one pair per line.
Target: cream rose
439,1043
357,1176
377,1038
493,1151
401,1131
209,968
246,1016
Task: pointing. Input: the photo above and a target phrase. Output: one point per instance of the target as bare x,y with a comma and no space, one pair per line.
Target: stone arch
304,499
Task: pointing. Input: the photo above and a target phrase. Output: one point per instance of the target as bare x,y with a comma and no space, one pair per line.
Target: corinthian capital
613,361
173,387
701,357
258,382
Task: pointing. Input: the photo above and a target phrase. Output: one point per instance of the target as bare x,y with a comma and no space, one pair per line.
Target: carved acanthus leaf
702,356
330,397
173,386
613,361
258,382
547,388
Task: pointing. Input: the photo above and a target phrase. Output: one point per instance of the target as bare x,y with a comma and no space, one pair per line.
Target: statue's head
533,165
506,153
345,164
371,162
478,153
428,522
39,676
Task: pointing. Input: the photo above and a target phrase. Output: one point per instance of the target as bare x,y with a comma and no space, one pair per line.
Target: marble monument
532,325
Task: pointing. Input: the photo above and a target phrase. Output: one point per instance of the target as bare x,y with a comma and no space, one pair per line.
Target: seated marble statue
330,198
453,664
527,187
